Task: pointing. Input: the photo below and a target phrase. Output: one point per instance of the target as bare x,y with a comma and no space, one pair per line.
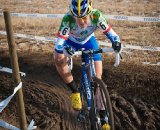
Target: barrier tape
148,48
133,18
7,126
144,48
8,70
31,125
5,102
11,127
115,17
149,63
3,105
31,37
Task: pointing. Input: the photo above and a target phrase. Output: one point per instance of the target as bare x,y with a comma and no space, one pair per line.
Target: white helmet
80,8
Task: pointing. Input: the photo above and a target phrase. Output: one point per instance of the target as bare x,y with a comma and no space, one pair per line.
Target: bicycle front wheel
101,102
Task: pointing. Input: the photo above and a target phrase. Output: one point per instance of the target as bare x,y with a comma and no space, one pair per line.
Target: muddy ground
134,90
134,87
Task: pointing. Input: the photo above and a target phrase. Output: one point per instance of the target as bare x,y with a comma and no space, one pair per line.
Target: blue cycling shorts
90,44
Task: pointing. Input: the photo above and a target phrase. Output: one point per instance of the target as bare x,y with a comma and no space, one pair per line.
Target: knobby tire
108,106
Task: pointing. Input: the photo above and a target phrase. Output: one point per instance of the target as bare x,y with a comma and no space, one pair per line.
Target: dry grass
135,33
126,7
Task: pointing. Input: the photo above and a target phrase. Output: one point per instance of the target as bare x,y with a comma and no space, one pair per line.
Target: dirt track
134,88
134,93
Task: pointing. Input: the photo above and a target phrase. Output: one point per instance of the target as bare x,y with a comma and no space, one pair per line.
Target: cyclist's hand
68,51
117,46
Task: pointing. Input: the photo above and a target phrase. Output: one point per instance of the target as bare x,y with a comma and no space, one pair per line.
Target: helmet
80,8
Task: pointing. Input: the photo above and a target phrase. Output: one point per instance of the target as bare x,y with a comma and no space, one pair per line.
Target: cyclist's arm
63,33
106,28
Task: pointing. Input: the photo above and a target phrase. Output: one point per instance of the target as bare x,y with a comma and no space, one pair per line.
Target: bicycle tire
108,106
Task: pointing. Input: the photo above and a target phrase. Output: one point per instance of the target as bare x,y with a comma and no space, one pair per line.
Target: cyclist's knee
60,59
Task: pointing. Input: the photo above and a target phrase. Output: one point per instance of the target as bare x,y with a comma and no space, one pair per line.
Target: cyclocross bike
89,115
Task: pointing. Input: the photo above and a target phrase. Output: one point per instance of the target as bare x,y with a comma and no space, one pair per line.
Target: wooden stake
15,69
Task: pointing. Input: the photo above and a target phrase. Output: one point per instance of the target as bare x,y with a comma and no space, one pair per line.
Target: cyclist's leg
62,67
99,69
63,70
98,97
97,57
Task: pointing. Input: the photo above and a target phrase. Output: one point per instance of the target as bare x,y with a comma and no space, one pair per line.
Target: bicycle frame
88,85
85,81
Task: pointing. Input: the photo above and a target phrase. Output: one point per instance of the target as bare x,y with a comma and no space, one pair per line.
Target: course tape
149,63
7,126
5,102
148,48
125,46
3,105
115,17
8,70
133,18
31,37
11,127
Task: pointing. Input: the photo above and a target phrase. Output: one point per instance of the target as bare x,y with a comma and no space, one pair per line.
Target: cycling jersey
70,30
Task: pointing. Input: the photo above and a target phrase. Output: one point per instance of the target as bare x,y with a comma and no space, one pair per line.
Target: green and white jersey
70,29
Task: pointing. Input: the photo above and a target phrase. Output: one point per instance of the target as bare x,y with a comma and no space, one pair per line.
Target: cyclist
77,31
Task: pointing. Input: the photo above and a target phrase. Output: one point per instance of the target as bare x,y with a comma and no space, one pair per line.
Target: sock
102,114
72,85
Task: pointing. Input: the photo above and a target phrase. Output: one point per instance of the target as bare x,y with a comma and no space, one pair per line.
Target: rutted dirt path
134,88
134,93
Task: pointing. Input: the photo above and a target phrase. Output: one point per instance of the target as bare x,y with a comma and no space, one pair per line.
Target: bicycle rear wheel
105,102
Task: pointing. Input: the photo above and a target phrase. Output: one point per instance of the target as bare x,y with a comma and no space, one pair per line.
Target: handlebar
100,50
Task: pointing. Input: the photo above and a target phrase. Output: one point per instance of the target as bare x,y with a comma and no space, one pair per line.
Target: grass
134,33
